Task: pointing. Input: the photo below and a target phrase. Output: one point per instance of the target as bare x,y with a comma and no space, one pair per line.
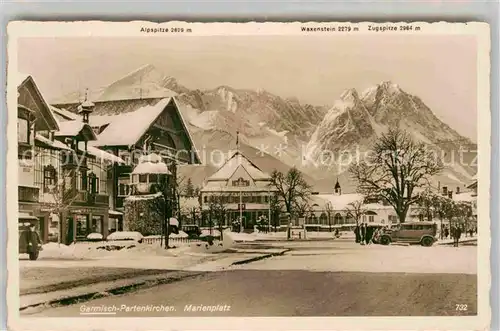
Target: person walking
368,234
362,234
357,233
457,233
446,232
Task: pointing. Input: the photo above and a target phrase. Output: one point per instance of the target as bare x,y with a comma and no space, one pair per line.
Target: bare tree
218,210
302,207
166,204
395,168
356,210
61,198
329,212
276,207
426,204
291,188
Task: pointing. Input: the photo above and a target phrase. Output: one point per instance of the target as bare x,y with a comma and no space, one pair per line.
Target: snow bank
217,245
95,236
236,236
57,251
181,234
125,235
205,233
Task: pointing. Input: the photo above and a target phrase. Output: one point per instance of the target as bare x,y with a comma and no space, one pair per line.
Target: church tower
338,189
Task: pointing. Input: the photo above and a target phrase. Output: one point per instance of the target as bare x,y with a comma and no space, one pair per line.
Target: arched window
323,219
49,177
337,219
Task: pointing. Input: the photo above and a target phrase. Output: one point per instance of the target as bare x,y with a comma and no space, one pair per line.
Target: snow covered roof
233,163
64,113
151,164
74,128
339,202
126,129
221,186
464,197
143,197
54,144
103,155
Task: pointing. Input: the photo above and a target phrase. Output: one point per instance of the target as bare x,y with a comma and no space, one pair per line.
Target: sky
440,69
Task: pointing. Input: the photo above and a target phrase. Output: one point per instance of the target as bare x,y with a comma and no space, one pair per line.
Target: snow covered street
348,256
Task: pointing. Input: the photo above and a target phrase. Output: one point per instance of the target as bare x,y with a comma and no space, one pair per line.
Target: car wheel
385,241
427,242
33,256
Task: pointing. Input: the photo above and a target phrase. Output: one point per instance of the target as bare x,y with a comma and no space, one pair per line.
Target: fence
154,240
146,240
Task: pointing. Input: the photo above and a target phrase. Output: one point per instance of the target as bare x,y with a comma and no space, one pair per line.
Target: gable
30,97
169,130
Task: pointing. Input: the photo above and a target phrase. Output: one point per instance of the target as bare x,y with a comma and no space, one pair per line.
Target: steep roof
133,116
56,144
464,197
74,128
45,113
126,129
233,163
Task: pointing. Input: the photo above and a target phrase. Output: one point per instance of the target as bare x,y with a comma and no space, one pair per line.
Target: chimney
445,190
458,189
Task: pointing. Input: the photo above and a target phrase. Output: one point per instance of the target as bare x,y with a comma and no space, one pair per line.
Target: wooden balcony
124,169
28,194
72,161
84,198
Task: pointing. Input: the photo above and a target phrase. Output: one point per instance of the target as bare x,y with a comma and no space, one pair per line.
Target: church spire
237,141
338,189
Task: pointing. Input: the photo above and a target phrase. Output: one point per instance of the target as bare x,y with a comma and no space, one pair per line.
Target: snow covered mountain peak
355,122
349,95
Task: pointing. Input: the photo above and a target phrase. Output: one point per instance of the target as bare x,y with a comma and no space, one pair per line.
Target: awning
26,216
115,213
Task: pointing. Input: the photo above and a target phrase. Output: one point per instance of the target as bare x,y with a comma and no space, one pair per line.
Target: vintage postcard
248,176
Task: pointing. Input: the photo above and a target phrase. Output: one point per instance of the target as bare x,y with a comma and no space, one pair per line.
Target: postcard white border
133,29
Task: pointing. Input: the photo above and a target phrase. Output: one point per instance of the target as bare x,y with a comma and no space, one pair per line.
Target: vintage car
423,233
29,239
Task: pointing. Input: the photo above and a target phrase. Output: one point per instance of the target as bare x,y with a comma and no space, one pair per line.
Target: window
23,132
205,199
49,177
94,183
241,182
83,180
266,199
135,178
143,178
153,178
371,218
81,226
97,222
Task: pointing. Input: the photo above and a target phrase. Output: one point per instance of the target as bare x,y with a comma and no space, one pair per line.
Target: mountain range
277,133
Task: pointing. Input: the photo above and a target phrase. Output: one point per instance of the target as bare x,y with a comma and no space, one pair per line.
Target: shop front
80,222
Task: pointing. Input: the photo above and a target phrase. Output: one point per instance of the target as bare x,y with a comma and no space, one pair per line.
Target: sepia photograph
329,170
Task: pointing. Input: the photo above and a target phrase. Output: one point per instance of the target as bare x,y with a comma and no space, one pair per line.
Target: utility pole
269,208
241,199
